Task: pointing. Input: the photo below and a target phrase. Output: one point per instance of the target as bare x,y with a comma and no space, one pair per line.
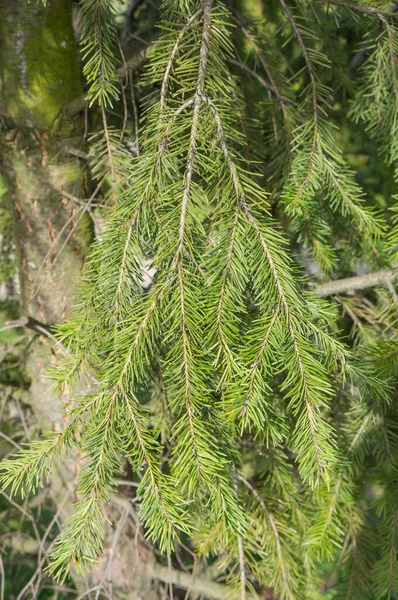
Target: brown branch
30,323
360,282
200,585
244,67
251,38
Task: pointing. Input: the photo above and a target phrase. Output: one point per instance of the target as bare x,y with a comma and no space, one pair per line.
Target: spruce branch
255,366
98,45
172,55
207,349
303,364
284,580
308,62
282,101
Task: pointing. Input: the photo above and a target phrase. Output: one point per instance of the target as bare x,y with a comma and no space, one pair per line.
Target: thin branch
314,99
306,57
360,282
284,301
226,274
375,12
241,552
109,152
199,98
272,524
198,101
200,585
173,53
250,37
242,568
247,69
135,110
81,211
30,323
77,152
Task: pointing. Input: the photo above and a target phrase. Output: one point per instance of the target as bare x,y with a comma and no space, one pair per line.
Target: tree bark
39,76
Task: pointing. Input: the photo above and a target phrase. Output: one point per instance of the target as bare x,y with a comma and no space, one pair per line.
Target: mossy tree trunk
39,76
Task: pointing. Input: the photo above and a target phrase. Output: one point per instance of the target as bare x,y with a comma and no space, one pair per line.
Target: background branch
360,282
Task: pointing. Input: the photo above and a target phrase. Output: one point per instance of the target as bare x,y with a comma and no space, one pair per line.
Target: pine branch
98,50
307,394
287,585
172,56
308,62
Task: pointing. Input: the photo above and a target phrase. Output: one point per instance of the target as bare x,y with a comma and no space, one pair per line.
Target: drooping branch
273,85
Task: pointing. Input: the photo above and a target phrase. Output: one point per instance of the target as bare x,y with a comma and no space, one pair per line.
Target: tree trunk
39,75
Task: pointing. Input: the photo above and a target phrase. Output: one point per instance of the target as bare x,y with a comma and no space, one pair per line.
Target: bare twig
10,440
135,110
200,585
76,152
2,579
107,576
360,282
81,213
30,323
368,10
253,73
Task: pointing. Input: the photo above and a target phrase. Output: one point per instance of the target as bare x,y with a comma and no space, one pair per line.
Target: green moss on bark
39,72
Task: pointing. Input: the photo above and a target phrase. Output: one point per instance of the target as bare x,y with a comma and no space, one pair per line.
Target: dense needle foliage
257,424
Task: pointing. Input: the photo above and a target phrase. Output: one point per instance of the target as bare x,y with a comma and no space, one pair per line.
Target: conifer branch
167,72
198,101
187,378
306,393
251,38
274,528
255,366
192,284
225,276
307,60
98,39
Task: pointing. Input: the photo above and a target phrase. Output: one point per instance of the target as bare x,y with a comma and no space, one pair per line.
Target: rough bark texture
39,75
